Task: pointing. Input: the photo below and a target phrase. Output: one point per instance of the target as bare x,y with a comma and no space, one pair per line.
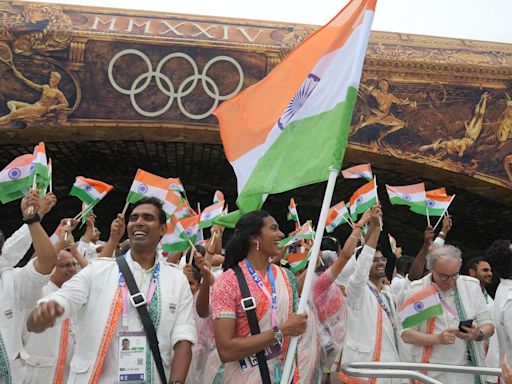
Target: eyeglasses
67,265
445,277
382,260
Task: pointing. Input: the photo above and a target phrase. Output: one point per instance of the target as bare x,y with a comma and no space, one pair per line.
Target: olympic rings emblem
185,88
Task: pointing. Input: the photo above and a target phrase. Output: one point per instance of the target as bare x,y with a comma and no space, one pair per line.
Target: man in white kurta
94,295
19,290
445,343
372,323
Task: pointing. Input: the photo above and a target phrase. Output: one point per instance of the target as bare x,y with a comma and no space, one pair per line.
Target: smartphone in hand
465,323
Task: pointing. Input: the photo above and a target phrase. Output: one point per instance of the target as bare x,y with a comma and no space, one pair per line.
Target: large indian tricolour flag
287,130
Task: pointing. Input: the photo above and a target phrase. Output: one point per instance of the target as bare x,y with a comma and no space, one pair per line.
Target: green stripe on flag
396,200
133,197
41,170
421,209
324,134
82,195
176,247
422,316
12,196
8,187
364,207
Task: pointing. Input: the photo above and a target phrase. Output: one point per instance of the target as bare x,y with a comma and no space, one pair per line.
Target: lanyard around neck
148,297
271,297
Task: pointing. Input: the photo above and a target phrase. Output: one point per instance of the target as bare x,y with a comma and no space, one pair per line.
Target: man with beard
479,268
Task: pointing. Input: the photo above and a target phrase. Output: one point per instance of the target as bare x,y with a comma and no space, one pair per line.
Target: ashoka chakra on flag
14,173
431,203
359,200
418,306
407,197
298,100
143,188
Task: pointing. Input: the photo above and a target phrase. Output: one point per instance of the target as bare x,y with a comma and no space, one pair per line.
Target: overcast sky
471,19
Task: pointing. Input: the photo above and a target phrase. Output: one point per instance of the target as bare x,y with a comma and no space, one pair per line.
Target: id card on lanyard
133,343
132,357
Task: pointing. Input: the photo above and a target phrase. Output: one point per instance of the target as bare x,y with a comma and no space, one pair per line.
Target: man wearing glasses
457,335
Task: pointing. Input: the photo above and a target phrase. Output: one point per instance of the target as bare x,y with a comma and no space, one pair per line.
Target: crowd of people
90,311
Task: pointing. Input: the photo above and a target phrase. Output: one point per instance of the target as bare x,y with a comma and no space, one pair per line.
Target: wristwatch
480,336
278,335
36,218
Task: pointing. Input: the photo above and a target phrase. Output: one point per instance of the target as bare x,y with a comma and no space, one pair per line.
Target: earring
257,245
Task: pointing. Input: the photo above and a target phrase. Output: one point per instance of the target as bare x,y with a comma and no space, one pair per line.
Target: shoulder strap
250,311
140,302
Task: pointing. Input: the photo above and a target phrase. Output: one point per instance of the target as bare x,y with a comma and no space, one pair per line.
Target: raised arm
214,244
28,82
358,280
46,255
349,246
418,265
89,228
203,296
117,229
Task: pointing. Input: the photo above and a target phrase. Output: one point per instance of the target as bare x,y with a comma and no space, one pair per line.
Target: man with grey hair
443,339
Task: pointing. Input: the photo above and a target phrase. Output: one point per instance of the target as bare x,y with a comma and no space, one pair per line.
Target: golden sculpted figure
473,130
52,99
505,126
382,114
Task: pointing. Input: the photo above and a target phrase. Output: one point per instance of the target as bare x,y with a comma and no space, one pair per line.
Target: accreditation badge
132,357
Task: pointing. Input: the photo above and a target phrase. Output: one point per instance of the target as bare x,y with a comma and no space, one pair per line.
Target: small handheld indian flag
210,213
292,211
363,199
15,178
190,227
358,171
434,205
411,195
305,233
174,239
146,184
420,307
176,185
218,196
298,260
171,203
39,161
338,214
397,251
89,190
184,210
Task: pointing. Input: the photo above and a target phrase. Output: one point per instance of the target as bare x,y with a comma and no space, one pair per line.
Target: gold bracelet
354,237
